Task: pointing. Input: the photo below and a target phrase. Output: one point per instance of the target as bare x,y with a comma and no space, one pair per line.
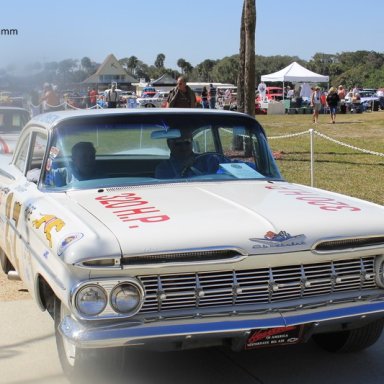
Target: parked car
363,100
271,93
12,120
152,251
157,101
148,92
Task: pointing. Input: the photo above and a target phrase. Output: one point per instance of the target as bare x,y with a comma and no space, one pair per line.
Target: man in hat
183,162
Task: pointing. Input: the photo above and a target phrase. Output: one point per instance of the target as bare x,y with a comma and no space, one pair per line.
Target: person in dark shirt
82,167
204,98
182,96
333,100
212,96
184,162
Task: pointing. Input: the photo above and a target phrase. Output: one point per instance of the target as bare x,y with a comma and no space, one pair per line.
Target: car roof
3,107
51,119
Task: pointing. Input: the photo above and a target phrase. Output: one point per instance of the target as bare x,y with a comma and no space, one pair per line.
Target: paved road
28,356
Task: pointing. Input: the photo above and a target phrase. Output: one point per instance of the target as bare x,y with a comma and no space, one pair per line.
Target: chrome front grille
257,286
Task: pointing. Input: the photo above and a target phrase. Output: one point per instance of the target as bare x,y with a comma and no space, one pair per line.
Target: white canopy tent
295,73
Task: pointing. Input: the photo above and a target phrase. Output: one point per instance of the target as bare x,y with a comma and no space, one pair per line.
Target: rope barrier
65,105
348,145
288,135
329,139
312,132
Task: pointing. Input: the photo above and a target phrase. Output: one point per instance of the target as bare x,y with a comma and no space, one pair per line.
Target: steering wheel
206,163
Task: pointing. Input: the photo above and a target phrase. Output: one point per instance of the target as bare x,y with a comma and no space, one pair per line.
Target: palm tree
132,63
159,62
181,63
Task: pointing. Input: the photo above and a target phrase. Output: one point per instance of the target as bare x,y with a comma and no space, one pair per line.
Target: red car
272,93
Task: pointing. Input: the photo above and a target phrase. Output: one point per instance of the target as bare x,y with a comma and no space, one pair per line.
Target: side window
39,143
22,154
30,154
203,141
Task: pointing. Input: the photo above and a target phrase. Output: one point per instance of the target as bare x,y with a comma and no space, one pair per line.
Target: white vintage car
156,101
203,246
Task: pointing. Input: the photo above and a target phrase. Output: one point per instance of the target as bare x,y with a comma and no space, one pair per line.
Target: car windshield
157,148
12,121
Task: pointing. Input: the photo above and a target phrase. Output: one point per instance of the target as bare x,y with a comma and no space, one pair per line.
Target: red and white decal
271,337
129,207
325,203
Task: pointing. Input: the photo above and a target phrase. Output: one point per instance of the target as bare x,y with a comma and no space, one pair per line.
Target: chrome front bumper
132,333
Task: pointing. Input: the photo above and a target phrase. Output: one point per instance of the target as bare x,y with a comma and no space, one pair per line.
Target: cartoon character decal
50,222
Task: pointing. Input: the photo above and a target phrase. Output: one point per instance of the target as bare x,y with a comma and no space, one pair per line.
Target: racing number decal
129,207
324,203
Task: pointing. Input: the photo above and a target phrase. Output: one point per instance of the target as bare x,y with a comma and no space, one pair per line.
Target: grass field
337,167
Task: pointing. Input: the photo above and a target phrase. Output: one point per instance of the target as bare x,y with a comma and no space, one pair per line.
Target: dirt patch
12,290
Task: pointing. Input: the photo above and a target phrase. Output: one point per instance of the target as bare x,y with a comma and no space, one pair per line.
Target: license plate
273,337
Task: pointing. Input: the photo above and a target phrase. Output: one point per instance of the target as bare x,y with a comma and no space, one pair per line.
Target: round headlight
126,298
91,300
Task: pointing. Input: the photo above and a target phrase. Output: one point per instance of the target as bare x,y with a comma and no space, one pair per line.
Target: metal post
311,132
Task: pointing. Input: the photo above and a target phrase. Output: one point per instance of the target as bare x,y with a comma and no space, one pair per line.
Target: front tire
77,362
352,340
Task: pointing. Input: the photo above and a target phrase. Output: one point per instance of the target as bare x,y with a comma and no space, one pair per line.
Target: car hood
250,216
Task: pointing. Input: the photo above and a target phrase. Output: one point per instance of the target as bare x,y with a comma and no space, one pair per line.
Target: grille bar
258,286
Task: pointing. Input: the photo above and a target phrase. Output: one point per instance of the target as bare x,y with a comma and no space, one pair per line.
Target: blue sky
54,30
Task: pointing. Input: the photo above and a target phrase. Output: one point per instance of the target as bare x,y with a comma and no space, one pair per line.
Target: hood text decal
129,207
325,203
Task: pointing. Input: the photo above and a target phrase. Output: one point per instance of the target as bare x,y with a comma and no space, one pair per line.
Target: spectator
290,92
182,96
316,104
341,92
262,89
380,94
212,96
92,97
50,99
204,98
112,97
333,100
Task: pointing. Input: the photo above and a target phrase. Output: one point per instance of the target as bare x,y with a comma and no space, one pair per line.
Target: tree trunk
249,78
240,79
246,82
